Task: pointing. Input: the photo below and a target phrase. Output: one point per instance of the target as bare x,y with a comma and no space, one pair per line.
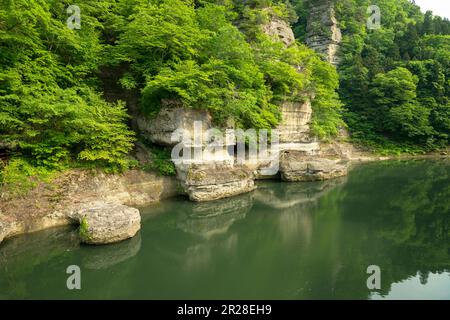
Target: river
283,241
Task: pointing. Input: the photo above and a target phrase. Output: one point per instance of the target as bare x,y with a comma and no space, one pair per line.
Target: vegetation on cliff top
206,54
209,54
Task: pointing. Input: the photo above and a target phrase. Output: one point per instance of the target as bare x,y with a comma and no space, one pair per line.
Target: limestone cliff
323,32
279,29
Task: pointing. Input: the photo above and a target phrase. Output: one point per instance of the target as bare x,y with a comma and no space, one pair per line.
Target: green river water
283,241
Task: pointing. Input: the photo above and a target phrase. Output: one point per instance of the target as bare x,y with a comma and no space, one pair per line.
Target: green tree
396,107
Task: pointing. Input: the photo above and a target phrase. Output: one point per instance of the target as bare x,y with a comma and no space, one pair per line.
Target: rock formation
159,129
279,29
323,32
302,158
216,176
211,180
104,223
297,166
295,120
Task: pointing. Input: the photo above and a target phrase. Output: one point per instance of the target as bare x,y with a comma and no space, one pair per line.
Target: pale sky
439,7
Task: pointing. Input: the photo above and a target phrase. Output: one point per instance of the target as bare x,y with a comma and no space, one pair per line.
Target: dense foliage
50,111
204,54
394,81
214,55
210,54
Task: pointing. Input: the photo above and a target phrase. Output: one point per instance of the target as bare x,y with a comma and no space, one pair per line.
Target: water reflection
107,256
287,195
284,241
209,219
294,204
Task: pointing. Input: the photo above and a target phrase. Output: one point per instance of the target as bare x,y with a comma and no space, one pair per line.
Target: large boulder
104,223
212,181
296,166
7,228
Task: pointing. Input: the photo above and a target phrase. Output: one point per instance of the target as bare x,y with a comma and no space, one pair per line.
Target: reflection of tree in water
19,256
404,220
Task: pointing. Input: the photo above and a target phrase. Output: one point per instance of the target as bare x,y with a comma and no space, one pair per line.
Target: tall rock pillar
323,33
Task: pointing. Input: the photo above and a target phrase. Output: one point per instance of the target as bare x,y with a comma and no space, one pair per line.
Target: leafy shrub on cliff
161,161
49,106
326,105
19,176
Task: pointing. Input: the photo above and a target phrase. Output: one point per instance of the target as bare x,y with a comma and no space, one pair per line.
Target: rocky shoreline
101,203
104,204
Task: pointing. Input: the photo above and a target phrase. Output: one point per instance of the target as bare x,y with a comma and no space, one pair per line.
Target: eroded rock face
134,188
294,126
296,166
323,32
212,181
10,226
159,130
104,223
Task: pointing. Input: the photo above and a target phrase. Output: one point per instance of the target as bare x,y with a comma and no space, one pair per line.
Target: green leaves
388,101
221,71
49,108
327,107
398,111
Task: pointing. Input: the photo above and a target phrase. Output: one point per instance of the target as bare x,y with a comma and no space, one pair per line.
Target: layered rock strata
297,166
323,32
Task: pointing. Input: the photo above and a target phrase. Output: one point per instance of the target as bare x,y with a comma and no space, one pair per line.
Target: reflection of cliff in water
217,222
209,219
294,204
288,195
212,221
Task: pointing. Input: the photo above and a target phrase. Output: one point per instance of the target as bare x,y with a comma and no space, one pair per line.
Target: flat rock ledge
296,166
105,223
